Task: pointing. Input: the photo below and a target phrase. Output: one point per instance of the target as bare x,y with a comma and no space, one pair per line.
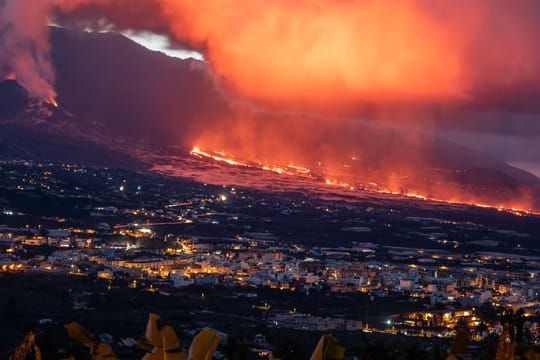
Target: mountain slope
135,92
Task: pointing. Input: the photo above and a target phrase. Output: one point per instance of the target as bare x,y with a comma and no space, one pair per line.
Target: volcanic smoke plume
24,43
308,51
24,46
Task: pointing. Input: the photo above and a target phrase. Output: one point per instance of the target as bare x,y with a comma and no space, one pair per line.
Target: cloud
24,46
310,53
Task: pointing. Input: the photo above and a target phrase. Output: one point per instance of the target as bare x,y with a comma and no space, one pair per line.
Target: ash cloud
24,46
319,54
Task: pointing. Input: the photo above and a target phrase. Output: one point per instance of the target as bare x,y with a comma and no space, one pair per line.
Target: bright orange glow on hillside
222,157
451,198
216,156
52,101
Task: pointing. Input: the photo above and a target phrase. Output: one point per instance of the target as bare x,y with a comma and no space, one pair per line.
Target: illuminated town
150,235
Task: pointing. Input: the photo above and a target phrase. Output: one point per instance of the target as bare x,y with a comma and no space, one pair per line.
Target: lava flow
52,101
302,172
222,157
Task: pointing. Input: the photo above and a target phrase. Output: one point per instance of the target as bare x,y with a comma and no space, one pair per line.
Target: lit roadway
152,224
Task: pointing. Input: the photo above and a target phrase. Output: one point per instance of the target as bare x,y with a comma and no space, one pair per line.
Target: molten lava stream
52,101
300,171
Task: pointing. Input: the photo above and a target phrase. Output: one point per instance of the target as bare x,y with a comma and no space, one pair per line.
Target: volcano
126,106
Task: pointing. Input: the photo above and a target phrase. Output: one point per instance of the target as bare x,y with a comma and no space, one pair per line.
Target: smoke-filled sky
324,52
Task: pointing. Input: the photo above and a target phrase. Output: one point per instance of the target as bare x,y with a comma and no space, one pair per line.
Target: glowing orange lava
301,171
222,157
215,156
52,101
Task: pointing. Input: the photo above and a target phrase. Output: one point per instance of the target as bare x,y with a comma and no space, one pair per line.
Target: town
243,259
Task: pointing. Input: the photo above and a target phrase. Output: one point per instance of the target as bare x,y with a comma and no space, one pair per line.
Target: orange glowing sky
361,50
333,52
322,50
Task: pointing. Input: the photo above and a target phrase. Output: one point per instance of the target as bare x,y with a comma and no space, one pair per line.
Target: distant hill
136,92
